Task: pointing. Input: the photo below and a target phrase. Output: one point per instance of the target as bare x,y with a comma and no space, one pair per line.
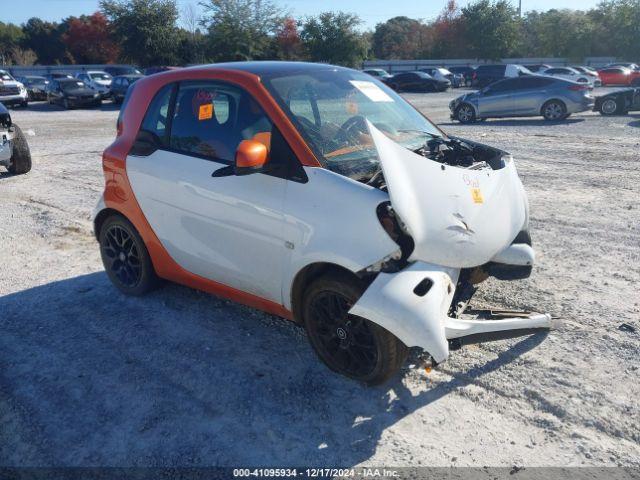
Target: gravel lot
89,377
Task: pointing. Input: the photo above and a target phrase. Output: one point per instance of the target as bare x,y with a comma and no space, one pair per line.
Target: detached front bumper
414,305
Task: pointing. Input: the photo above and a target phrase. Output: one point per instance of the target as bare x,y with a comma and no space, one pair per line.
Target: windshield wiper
432,135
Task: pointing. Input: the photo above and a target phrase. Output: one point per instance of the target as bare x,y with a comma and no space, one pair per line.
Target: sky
370,11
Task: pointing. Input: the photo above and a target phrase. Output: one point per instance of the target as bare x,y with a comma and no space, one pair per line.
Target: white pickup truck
12,92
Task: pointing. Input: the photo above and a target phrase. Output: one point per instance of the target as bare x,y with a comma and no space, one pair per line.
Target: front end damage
459,212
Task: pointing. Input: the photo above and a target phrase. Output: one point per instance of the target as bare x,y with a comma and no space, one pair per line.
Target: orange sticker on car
205,112
476,194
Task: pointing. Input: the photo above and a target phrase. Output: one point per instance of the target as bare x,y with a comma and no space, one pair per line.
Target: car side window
211,119
156,119
503,86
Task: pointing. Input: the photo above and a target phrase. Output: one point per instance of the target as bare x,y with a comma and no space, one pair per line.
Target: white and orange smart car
317,194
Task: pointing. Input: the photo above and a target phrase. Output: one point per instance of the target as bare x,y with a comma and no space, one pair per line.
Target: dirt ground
89,377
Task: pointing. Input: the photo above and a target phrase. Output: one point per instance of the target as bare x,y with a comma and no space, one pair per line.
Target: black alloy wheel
348,344
125,257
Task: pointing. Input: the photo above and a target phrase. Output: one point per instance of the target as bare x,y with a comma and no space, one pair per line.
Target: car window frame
291,167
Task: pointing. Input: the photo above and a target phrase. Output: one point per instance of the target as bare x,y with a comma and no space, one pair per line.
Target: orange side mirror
251,156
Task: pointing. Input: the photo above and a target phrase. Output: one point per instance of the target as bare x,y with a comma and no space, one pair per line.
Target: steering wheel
350,129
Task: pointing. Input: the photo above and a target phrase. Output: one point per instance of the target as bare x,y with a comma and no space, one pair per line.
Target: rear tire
553,110
125,257
21,158
349,345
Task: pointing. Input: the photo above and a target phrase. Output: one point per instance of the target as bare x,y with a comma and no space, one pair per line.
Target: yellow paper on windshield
372,91
205,112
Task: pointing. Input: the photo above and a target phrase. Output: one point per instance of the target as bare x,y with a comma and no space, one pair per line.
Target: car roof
268,67
130,75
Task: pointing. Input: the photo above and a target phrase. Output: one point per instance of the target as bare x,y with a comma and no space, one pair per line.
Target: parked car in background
121,84
72,93
588,71
465,71
98,80
442,74
417,82
525,96
535,68
378,73
572,75
158,69
487,74
36,86
56,75
118,70
12,92
619,76
619,102
14,149
629,65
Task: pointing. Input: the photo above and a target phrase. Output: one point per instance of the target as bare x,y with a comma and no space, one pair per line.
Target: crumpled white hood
457,217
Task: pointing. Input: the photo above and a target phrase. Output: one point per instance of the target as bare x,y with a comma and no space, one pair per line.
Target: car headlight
96,95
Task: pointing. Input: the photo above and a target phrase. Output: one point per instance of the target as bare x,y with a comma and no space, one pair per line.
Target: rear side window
156,119
211,119
533,82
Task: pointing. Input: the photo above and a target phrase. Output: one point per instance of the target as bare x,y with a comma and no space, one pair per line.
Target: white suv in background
12,92
97,80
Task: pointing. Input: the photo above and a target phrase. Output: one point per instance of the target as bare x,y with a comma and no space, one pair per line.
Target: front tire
347,344
125,257
465,113
21,158
554,110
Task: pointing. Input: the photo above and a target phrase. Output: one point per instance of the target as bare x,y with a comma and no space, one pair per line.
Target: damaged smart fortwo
317,194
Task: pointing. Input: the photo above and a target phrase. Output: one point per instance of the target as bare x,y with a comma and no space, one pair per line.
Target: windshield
330,109
5,76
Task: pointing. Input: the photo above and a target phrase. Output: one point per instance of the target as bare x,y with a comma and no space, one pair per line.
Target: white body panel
457,217
333,219
227,229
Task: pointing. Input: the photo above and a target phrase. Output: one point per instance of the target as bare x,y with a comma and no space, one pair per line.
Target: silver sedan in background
526,96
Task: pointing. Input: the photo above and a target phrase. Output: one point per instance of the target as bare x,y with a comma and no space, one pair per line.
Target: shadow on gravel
180,378
523,122
635,123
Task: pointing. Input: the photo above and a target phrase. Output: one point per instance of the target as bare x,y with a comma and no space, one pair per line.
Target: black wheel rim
346,342
121,256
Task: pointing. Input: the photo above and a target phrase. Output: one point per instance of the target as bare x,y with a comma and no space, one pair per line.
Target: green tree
241,29
617,28
557,33
45,39
400,38
491,28
11,38
146,29
332,37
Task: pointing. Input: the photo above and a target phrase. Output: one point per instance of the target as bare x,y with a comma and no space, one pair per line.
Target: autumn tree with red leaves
89,39
288,40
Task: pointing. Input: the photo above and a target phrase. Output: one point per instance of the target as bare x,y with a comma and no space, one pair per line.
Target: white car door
225,228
